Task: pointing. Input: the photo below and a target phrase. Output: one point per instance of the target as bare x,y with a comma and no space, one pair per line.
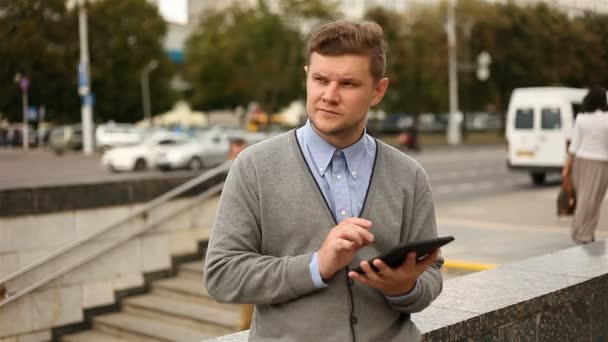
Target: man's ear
379,92
306,69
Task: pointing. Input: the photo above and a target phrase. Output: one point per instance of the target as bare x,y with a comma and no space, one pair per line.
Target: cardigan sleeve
422,226
235,269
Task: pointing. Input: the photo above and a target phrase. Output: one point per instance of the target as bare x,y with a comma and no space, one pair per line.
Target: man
301,209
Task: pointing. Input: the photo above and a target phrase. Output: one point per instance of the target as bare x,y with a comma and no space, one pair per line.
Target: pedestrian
300,210
586,169
236,146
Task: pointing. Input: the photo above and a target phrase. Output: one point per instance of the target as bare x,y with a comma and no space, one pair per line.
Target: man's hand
394,281
342,243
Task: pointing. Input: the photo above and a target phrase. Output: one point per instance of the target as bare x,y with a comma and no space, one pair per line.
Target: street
496,215
20,169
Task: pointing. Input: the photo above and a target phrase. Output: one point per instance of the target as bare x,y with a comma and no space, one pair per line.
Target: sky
174,11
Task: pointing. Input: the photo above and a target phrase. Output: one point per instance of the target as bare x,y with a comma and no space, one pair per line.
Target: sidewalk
507,228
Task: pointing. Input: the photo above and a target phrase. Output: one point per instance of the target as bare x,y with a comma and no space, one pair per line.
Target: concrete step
92,336
211,319
192,270
187,289
137,328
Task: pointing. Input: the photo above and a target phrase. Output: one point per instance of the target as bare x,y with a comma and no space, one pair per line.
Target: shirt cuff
405,297
315,273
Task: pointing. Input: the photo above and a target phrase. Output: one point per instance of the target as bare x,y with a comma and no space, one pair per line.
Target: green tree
38,41
540,46
124,36
592,28
416,60
248,54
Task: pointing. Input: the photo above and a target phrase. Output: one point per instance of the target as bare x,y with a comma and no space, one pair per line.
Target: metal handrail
141,211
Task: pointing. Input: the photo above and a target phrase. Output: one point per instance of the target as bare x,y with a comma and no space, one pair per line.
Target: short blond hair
346,37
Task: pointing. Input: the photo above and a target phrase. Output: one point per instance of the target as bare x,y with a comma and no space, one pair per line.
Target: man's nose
331,93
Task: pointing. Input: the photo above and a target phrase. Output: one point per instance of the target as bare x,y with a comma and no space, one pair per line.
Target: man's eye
320,80
348,84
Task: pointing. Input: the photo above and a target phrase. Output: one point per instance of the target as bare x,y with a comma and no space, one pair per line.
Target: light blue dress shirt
343,176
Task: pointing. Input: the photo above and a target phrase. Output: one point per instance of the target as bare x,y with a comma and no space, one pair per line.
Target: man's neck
340,142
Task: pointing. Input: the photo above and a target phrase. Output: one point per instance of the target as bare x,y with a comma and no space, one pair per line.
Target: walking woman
587,166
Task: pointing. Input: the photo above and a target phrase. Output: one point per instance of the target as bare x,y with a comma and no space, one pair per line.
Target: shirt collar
354,154
322,151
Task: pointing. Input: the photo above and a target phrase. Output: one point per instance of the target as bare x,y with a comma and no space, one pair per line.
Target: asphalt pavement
41,167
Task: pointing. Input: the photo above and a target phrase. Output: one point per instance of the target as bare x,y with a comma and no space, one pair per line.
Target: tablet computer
397,255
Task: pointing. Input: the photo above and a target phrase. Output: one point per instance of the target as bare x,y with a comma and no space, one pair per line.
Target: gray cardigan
271,218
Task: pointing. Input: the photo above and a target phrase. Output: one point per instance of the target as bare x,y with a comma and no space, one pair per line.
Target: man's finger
345,245
361,222
356,233
381,266
353,236
410,260
428,260
370,273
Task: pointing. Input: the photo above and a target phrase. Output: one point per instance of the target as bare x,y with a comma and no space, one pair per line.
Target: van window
550,118
524,118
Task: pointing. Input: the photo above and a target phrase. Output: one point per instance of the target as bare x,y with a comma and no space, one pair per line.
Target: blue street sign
83,79
88,99
32,113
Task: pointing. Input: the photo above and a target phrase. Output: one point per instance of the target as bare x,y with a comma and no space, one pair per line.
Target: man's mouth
328,111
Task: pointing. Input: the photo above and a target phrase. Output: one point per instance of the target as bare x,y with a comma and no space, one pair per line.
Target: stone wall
561,296
58,198
28,237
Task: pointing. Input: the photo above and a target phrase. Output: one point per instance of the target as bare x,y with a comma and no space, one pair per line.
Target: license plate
525,153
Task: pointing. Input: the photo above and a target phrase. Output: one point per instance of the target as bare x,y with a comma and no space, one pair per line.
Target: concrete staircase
177,309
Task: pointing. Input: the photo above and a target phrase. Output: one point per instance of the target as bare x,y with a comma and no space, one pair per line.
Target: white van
538,128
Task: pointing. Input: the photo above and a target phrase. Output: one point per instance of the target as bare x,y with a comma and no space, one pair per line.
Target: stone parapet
561,296
58,198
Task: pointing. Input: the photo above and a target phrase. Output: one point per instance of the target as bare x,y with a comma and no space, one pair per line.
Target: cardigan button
351,282
353,320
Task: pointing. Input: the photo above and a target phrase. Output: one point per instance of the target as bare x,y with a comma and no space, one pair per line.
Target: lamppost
145,89
84,86
455,117
24,83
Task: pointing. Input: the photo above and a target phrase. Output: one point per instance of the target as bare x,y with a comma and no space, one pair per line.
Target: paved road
41,167
496,215
461,173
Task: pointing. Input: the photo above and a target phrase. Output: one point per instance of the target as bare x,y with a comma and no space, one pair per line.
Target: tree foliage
244,54
251,54
537,46
124,36
40,40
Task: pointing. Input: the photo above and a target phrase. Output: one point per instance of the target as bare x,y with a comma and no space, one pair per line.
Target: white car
117,134
208,149
141,156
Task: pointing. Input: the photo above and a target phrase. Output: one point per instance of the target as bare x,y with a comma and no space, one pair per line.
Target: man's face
339,92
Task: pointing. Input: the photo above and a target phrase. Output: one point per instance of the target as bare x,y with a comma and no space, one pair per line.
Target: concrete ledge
48,199
561,296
